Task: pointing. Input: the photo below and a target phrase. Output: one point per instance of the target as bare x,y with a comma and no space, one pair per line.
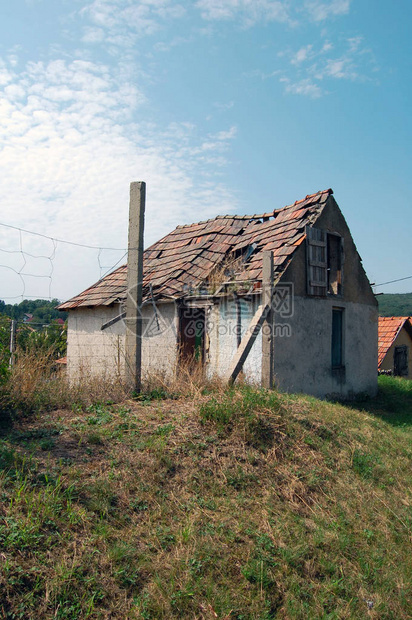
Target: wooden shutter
316,261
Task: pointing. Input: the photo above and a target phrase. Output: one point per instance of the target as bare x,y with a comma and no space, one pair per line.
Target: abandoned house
202,292
395,346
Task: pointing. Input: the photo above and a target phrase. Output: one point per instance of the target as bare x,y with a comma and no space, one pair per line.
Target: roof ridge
256,216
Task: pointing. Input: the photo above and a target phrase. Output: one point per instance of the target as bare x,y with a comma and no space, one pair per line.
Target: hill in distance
395,304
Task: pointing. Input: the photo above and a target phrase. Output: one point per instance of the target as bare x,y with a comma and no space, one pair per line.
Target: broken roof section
389,328
187,258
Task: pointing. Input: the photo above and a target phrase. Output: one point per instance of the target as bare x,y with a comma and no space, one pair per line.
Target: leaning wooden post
133,345
268,336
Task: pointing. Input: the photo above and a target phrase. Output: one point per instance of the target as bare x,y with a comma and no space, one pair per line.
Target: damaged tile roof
389,328
189,256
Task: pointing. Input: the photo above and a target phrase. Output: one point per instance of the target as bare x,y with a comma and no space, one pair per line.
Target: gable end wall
303,359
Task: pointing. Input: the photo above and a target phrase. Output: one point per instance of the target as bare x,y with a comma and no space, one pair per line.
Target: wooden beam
267,329
133,320
247,343
116,319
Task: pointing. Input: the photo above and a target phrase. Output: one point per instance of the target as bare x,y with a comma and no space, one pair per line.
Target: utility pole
12,342
133,320
268,336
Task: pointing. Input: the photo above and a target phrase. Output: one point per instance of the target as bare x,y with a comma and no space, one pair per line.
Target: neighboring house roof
189,255
389,328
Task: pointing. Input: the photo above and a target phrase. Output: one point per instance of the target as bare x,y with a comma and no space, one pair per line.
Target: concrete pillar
133,319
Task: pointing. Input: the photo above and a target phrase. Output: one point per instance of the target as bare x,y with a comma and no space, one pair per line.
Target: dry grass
220,503
225,272
35,383
187,380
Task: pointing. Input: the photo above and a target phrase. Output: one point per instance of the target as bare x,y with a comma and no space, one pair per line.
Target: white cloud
223,107
249,11
71,147
93,35
166,46
319,10
222,136
327,47
311,66
301,55
122,21
302,87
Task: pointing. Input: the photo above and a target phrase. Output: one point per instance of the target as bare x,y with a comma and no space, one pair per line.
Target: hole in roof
245,252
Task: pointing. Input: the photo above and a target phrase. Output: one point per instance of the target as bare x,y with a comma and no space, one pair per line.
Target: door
192,335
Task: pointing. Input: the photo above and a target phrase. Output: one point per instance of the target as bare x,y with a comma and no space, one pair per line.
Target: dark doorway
192,334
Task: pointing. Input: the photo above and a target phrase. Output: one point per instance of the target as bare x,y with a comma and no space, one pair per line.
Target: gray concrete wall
303,359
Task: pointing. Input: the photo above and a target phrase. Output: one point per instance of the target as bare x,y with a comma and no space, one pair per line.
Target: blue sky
229,106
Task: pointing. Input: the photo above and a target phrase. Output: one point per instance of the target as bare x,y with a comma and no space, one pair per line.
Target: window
324,253
334,260
400,361
337,338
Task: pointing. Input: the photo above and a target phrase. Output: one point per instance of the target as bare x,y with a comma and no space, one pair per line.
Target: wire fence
29,265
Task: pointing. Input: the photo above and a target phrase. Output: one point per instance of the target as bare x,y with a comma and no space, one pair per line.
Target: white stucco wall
222,330
93,351
90,350
159,346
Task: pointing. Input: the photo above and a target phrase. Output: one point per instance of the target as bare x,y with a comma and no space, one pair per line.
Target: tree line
42,310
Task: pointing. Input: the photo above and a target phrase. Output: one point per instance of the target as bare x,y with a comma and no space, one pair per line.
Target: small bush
239,403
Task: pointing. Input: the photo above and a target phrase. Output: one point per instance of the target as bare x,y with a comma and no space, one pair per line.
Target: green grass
393,403
239,504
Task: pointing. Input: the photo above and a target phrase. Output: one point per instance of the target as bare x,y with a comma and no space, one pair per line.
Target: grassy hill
236,504
399,304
